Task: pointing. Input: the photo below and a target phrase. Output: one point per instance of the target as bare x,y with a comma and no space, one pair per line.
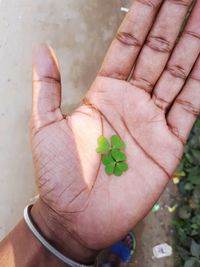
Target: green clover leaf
123,166
118,155
117,171
116,142
113,159
110,168
103,145
107,159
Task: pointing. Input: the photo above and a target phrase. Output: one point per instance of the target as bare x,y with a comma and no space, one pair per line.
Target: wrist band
46,244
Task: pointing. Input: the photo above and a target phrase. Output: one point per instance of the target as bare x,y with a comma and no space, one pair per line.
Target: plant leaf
184,212
195,249
107,159
188,186
196,153
198,123
118,155
117,171
196,196
185,240
191,262
103,145
123,166
117,142
110,168
194,179
183,253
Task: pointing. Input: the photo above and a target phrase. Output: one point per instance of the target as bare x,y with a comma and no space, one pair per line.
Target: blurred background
80,31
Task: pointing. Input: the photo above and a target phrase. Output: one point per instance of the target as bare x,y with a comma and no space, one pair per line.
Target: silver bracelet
46,244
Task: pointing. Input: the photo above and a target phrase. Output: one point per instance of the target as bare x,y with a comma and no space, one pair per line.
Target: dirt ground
156,229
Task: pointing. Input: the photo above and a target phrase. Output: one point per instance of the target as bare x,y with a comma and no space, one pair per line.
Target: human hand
152,107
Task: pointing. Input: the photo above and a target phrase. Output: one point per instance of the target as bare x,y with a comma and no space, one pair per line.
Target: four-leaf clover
113,158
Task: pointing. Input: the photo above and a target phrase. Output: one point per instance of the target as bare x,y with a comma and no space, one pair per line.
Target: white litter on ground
162,250
124,9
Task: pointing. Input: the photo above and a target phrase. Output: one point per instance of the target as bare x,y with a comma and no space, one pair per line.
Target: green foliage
110,168
187,222
195,249
113,159
118,155
103,145
117,142
184,212
192,262
123,166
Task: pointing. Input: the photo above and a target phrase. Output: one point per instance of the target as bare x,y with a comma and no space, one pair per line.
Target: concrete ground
80,31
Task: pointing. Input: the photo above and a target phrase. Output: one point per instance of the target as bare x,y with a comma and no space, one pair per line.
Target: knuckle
160,102
159,44
142,83
48,79
195,78
181,2
193,34
189,107
149,3
115,74
177,133
177,71
127,39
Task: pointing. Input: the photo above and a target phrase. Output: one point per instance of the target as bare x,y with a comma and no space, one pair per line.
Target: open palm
151,107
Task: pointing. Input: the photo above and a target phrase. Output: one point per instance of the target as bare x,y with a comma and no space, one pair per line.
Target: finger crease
194,78
112,75
161,103
188,107
181,2
48,79
177,71
159,44
147,3
142,84
128,39
175,131
193,34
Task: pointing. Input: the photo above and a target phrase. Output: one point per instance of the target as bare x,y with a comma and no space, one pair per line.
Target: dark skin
152,107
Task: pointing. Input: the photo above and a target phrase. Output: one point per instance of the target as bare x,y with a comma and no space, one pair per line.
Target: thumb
46,87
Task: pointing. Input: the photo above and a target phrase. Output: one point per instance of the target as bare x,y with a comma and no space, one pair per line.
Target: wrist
21,248
50,225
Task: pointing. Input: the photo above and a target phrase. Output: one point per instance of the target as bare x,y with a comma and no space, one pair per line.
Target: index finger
129,39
